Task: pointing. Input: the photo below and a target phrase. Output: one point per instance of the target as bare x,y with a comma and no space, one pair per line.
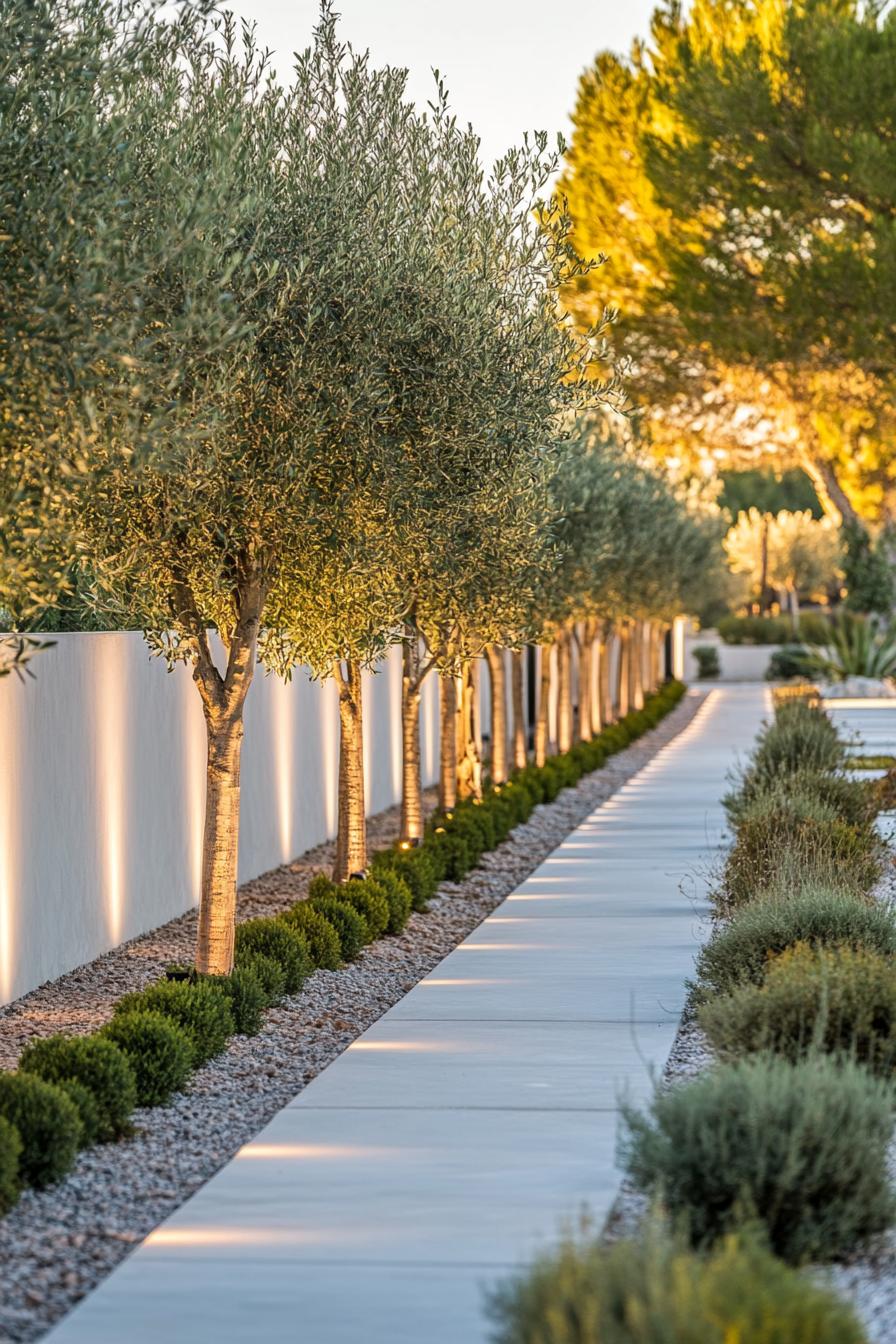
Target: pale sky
511,65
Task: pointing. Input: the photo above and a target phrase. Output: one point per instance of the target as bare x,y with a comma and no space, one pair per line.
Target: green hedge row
796,991
72,1091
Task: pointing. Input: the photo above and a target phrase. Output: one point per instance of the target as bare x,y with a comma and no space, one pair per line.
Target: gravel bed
59,1243
868,1280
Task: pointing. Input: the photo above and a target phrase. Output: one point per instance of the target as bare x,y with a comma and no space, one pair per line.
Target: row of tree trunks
469,764
639,669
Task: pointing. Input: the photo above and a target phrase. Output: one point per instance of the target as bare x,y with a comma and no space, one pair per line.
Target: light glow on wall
283,699
195,758
10,783
112,747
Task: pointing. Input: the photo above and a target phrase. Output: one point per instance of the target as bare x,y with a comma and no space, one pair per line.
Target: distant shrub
787,663
272,937
159,1051
707,659
656,1291
269,975
95,1062
201,1009
319,934
802,1148
10,1151
350,927
836,999
739,951
452,852
801,737
47,1123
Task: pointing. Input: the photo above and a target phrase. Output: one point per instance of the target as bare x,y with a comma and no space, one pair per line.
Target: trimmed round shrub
269,975
247,999
272,937
10,1152
796,842
201,1008
351,928
88,1109
801,1148
367,897
414,867
319,934
739,952
97,1064
451,851
48,1125
159,1051
657,1291
399,898
836,999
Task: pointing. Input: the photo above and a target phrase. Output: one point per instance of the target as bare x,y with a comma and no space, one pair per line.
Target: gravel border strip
57,1244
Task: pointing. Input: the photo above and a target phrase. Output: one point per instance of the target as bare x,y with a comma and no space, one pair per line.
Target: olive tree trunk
636,666
543,718
223,699
520,752
604,688
411,824
469,764
587,709
498,700
351,833
447,740
564,691
622,670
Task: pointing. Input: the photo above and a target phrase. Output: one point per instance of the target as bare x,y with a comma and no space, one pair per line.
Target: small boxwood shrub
369,899
269,975
414,867
657,1291
319,934
202,1009
802,1148
159,1051
350,927
399,898
837,999
48,1125
247,998
739,952
272,937
97,1064
88,1109
452,852
10,1152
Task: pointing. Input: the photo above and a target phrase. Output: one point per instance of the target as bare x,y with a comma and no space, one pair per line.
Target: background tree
733,171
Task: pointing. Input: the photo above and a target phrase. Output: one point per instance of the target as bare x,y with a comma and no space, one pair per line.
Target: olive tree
251,519
73,76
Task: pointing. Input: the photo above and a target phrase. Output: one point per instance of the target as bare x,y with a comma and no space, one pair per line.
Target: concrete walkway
449,1141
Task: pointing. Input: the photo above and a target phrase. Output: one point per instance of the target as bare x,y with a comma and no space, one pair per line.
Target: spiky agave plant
858,647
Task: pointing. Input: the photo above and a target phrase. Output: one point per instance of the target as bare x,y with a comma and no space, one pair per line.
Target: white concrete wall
102,786
739,662
102,790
